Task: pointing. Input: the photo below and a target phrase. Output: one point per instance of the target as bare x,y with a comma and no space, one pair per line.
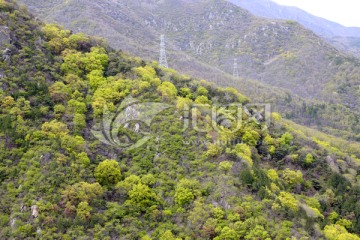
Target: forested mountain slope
345,38
59,181
304,78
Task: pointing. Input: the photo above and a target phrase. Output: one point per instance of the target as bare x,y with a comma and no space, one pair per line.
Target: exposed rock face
13,223
6,55
34,211
332,163
4,37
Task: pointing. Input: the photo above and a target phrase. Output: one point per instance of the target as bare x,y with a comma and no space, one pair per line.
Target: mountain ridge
335,33
271,9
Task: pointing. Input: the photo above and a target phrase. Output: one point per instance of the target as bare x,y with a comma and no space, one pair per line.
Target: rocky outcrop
34,211
5,39
6,55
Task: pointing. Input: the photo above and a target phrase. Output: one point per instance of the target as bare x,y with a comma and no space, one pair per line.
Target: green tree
258,233
198,215
77,106
292,177
81,192
213,150
338,232
288,201
143,196
202,100
309,159
185,93
333,216
218,213
95,60
225,166
83,211
72,62
59,92
183,196
108,173
286,139
168,235
227,233
273,175
79,41
96,79
182,103
83,159
251,137
167,90
244,152
79,122
201,91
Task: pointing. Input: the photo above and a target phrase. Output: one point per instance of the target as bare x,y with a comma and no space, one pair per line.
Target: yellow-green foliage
82,192
182,103
225,166
167,90
78,63
186,191
273,175
244,152
286,139
251,137
268,140
147,74
3,4
274,188
276,117
288,201
202,100
110,93
213,150
183,196
327,146
54,129
337,232
218,213
108,172
142,196
202,91
56,36
292,177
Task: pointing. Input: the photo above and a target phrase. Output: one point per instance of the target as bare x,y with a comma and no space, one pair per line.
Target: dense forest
58,180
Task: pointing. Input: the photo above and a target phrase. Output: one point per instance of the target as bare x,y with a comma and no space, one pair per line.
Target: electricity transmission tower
163,59
235,72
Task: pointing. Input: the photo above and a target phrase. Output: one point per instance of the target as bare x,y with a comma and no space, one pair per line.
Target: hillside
304,78
270,9
70,170
342,37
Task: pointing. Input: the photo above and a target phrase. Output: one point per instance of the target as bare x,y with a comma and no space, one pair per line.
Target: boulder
34,211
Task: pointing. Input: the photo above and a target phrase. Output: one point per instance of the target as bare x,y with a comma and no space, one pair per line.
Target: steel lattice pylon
163,59
235,72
